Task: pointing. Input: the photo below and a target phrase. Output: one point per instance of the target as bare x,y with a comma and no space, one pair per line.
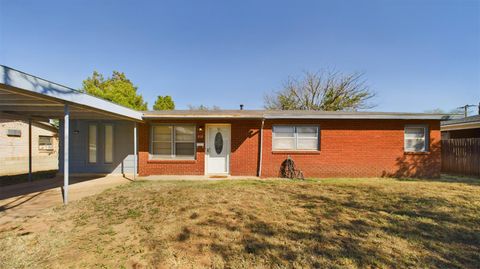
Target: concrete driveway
29,199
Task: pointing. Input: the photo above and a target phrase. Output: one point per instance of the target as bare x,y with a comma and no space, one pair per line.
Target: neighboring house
461,146
108,138
468,127
14,143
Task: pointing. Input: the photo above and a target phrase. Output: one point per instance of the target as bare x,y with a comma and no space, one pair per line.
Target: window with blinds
45,143
172,142
415,139
301,137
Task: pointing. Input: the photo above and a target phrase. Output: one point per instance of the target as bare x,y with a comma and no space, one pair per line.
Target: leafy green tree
55,122
330,91
164,103
118,89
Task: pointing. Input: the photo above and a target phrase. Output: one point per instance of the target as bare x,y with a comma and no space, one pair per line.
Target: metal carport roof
22,94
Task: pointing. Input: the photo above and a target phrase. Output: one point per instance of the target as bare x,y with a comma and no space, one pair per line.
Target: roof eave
326,116
460,126
363,117
169,117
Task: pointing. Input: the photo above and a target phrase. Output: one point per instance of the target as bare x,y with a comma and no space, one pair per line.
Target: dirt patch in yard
340,223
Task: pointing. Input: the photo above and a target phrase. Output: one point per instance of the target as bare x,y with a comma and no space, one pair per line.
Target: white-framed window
172,142
416,138
45,143
92,143
108,145
295,137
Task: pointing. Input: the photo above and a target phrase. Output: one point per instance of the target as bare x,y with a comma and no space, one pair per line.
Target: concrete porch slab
29,199
204,177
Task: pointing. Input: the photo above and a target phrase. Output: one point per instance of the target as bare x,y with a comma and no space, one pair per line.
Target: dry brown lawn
330,223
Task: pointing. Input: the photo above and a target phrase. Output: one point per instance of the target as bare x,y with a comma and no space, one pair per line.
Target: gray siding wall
123,159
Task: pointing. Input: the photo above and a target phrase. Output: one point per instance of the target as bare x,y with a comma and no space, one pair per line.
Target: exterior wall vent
14,132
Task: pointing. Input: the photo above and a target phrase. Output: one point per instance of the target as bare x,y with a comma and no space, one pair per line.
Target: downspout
260,153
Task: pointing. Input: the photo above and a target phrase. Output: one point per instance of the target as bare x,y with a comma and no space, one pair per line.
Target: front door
218,149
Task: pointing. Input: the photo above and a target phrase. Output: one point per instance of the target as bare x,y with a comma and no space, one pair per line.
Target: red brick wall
243,158
348,148
245,148
357,148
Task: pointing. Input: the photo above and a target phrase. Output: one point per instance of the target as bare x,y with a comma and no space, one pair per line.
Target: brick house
97,136
322,144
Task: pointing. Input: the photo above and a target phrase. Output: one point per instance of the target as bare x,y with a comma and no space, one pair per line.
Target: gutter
260,153
350,116
198,116
299,115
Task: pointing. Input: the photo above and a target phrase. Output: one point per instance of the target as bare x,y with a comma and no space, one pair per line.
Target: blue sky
417,55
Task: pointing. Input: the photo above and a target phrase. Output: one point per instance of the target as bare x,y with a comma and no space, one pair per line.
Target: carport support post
29,150
66,145
135,156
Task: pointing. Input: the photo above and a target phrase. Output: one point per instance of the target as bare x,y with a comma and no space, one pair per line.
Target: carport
30,98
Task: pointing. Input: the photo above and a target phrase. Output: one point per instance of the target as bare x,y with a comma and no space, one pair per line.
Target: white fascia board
29,83
363,116
305,116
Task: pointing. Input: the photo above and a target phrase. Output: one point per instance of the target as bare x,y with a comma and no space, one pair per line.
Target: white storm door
218,149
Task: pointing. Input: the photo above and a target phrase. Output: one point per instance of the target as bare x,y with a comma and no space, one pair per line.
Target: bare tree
457,110
203,107
330,91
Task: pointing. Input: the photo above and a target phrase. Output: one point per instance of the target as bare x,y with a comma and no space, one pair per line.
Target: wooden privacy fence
461,156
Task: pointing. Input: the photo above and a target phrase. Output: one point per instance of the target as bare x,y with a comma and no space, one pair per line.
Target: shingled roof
288,114
475,118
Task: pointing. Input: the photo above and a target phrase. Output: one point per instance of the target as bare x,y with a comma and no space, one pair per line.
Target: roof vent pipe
241,106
